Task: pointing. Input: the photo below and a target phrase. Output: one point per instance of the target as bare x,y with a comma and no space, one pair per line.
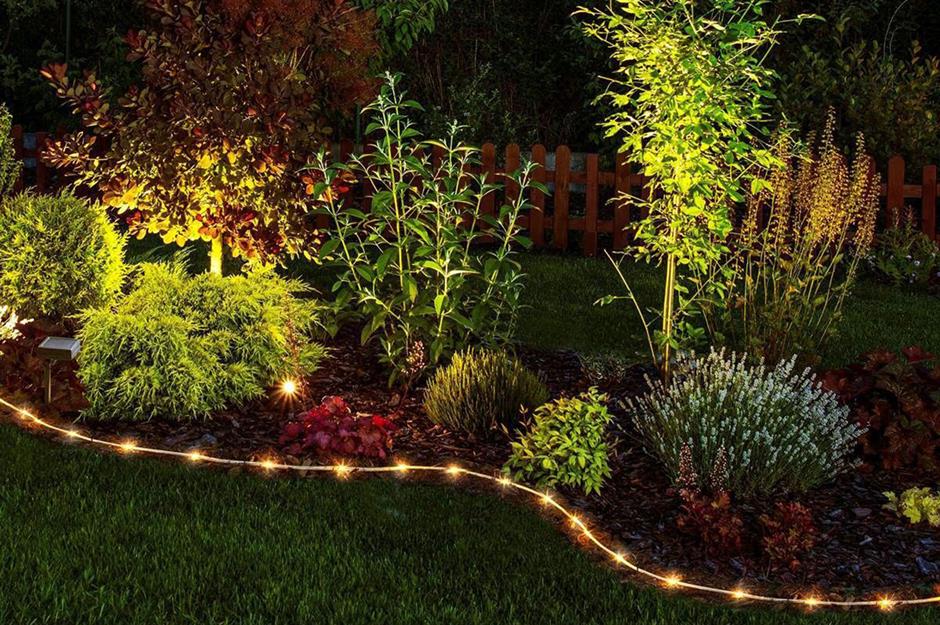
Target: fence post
537,213
562,184
488,159
895,202
929,202
589,241
621,202
512,164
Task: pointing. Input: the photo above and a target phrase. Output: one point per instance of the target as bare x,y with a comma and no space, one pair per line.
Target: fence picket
537,213
929,201
591,166
562,187
621,202
895,192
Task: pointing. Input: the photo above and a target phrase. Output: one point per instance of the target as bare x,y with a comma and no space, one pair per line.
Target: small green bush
566,443
480,389
9,165
58,256
182,347
916,505
775,426
905,256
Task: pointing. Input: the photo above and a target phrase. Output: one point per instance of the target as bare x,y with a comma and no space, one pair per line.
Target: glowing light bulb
504,482
401,467
885,604
454,470
72,434
195,456
342,470
672,581
738,594
289,387
547,500
811,602
267,464
128,446
620,558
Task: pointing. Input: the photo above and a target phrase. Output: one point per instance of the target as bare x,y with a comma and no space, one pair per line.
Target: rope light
669,580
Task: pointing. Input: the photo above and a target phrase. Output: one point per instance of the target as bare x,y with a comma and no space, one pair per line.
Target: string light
671,580
289,387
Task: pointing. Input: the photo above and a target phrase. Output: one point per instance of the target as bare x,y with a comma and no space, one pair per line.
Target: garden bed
861,548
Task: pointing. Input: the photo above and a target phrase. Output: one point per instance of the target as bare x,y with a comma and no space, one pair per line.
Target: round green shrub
182,347
9,164
58,256
480,389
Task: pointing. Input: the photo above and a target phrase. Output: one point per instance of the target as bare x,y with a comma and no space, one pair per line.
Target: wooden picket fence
585,208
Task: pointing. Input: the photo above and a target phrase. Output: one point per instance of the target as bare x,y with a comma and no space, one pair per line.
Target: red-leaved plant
898,400
331,427
788,535
709,516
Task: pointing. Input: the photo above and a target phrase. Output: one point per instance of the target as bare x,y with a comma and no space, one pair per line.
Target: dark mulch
862,548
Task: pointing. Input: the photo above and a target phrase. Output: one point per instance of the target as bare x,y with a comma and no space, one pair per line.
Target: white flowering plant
8,324
779,430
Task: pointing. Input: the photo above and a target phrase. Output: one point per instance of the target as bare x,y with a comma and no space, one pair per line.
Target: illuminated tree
235,96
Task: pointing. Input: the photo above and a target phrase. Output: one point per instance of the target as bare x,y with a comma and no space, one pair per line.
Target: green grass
89,538
562,290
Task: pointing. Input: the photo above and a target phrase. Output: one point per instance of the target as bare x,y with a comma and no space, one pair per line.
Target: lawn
88,538
561,311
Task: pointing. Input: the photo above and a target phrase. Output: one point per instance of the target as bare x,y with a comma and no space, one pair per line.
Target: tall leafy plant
413,266
689,94
235,95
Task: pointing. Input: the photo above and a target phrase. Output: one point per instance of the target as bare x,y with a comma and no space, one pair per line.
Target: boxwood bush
182,347
481,389
58,255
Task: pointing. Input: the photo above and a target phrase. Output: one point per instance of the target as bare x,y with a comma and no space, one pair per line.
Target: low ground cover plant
778,429
565,443
482,389
905,256
788,535
410,265
58,255
917,505
182,347
896,398
332,428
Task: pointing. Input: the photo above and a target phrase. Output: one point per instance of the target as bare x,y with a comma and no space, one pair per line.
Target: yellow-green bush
566,443
182,347
9,164
480,389
916,505
58,256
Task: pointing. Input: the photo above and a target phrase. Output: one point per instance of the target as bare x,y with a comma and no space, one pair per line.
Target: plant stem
215,256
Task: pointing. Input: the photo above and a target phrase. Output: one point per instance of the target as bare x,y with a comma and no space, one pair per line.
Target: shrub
916,505
234,97
779,429
58,255
409,266
332,427
800,246
897,402
788,534
9,323
9,165
481,389
566,443
904,256
711,516
182,347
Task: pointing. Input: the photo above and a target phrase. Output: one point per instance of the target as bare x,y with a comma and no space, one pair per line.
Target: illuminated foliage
235,95
9,165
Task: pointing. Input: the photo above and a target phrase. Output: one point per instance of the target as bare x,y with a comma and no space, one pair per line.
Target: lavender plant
778,430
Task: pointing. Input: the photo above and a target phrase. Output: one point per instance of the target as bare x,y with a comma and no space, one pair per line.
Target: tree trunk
215,256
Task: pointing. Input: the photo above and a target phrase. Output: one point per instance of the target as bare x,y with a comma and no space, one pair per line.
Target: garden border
669,581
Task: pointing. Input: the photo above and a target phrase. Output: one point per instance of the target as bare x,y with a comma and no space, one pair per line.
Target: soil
862,548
